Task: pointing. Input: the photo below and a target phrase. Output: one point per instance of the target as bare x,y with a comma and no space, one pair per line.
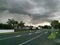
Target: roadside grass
10,34
52,35
15,33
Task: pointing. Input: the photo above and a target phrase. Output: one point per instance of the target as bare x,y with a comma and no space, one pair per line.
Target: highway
30,38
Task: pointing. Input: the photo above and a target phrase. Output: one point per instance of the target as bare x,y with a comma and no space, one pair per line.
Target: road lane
31,39
10,37
42,40
2,37
19,40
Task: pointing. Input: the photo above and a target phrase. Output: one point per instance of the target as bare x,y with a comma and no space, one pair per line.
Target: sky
32,12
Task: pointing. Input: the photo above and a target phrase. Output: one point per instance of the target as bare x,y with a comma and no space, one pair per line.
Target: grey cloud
36,19
23,6
38,10
3,5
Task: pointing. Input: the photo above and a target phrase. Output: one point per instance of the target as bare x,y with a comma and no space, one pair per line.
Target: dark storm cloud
40,18
3,5
23,6
38,10
47,3
19,7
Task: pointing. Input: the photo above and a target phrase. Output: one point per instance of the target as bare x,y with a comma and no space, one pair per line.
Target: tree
21,25
55,24
36,28
13,23
30,27
46,27
5,26
40,27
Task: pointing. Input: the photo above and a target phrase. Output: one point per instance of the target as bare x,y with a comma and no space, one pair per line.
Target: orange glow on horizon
41,24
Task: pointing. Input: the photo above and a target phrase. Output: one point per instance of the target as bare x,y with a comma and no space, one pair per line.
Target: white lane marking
31,39
37,31
30,33
10,37
18,36
46,32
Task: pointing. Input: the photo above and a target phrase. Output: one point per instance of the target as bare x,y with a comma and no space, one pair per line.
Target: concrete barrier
6,31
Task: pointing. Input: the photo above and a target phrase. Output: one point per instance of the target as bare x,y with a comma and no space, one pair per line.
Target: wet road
30,38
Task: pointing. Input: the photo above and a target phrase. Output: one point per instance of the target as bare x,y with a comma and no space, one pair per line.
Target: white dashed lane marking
31,39
30,33
10,37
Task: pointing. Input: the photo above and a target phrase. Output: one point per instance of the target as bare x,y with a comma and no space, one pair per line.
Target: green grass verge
3,35
14,33
9,34
52,35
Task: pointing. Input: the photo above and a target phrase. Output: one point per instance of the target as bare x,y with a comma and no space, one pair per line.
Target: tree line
5,26
17,26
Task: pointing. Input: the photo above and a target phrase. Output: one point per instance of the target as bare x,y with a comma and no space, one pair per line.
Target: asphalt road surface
30,38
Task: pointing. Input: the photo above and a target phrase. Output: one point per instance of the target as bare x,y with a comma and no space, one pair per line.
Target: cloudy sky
30,11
